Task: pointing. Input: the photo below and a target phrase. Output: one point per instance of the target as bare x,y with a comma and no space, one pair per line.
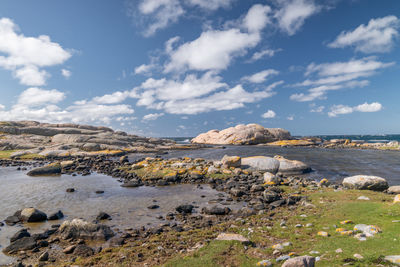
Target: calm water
334,164
127,206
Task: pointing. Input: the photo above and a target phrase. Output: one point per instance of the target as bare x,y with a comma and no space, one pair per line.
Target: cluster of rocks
61,140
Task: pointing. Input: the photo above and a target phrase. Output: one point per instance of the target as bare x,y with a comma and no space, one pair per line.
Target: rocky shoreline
257,181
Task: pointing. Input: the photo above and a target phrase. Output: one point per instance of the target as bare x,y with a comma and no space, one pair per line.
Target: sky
183,67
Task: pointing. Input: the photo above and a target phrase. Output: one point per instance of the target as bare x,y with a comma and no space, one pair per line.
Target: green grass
7,154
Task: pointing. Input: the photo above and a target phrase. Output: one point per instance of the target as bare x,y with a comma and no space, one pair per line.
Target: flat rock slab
232,237
302,261
261,163
365,182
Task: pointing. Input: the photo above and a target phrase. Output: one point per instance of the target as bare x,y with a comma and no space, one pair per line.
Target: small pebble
358,256
339,250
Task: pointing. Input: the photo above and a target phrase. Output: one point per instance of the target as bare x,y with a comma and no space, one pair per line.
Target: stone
44,256
324,183
12,220
20,234
271,179
23,244
232,237
69,249
153,207
231,161
51,169
396,199
70,190
66,163
395,259
103,216
291,167
83,250
80,229
282,258
395,189
339,250
250,134
322,233
368,230
215,210
365,182
132,183
277,246
56,216
301,261
32,215
363,198
261,163
358,256
264,263
185,209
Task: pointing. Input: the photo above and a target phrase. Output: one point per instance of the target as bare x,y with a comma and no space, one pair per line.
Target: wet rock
50,169
291,167
23,244
12,220
302,261
103,216
83,251
186,209
153,207
56,216
80,229
32,215
132,183
44,256
215,210
70,190
99,192
365,182
20,234
231,161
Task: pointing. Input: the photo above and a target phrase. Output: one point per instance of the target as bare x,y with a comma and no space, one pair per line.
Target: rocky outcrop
250,134
62,140
365,182
80,229
51,169
275,165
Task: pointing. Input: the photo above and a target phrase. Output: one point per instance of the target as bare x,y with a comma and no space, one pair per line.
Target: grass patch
7,155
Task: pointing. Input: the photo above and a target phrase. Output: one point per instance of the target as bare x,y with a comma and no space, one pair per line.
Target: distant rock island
45,139
250,134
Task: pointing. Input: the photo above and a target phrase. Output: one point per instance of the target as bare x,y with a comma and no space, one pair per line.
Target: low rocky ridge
62,140
250,134
269,186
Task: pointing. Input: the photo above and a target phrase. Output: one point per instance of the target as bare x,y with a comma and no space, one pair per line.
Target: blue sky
182,67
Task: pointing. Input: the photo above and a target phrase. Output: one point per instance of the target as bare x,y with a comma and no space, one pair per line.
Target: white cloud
317,109
210,4
66,73
114,98
290,118
343,109
39,104
215,49
338,75
373,107
261,76
152,116
2,107
264,53
376,37
293,13
270,114
24,56
144,68
160,13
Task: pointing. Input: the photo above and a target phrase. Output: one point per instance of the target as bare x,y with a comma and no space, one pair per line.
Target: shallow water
127,206
333,164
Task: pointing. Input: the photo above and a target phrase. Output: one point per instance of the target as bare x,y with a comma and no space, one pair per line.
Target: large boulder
301,261
80,229
395,189
261,163
291,167
250,134
51,169
365,182
32,215
231,161
22,244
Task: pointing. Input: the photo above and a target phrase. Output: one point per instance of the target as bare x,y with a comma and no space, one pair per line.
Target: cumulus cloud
290,118
293,13
66,73
377,36
264,53
40,104
261,76
270,114
211,4
343,109
152,116
215,49
24,56
144,68
338,75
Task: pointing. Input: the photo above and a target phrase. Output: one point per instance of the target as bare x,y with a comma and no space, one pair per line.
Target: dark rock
270,196
116,241
278,203
79,229
83,251
215,210
12,220
20,234
23,244
152,207
32,215
132,183
70,190
69,249
56,216
50,169
103,216
44,256
186,209
99,192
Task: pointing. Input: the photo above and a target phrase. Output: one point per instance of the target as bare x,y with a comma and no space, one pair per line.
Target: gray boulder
80,229
32,215
365,182
395,189
22,244
292,167
302,261
261,163
51,169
